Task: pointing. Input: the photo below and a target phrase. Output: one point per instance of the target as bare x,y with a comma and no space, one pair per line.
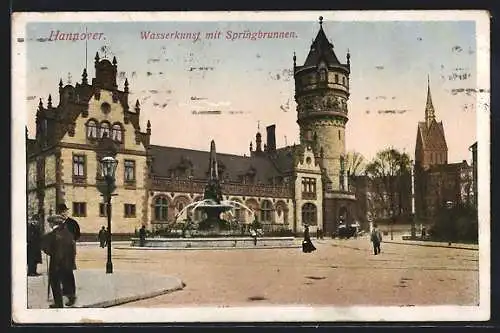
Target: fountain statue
212,204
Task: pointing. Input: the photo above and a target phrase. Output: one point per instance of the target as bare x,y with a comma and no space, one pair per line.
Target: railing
196,186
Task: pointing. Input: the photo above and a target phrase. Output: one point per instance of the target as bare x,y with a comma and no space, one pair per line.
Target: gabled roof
432,137
166,159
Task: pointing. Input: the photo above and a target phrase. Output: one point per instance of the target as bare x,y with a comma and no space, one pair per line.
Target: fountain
213,205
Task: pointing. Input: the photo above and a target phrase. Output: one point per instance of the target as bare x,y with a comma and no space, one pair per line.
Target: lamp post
108,168
393,218
449,206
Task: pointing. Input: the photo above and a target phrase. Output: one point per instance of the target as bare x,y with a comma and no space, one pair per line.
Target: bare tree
355,164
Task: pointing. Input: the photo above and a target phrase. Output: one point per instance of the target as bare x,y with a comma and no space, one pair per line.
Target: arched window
266,211
104,129
161,209
309,215
336,78
92,129
343,80
116,132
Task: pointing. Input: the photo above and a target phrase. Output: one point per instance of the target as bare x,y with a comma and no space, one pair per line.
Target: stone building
284,186
436,181
322,93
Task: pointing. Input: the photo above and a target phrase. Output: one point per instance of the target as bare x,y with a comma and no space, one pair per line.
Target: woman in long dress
307,245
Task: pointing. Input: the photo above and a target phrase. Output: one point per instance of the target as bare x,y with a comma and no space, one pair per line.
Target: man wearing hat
59,245
69,287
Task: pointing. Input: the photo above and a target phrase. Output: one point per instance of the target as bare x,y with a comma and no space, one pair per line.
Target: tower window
104,129
336,78
322,75
343,80
339,134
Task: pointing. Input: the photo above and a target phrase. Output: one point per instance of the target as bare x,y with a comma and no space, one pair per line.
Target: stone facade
322,93
284,187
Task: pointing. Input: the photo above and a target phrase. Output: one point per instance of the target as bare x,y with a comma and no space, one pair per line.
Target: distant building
473,149
436,181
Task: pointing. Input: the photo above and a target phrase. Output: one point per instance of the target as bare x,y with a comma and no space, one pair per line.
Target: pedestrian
253,233
142,236
58,244
376,238
307,245
34,249
103,237
74,228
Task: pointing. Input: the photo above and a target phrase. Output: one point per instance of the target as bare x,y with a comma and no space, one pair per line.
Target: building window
104,129
309,214
92,129
102,210
322,75
78,166
266,211
161,209
342,173
129,210
79,209
116,133
343,80
309,188
129,171
336,78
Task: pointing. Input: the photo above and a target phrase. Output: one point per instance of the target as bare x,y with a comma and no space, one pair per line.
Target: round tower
321,93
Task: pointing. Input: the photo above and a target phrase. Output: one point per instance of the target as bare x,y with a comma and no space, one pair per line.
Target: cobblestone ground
339,273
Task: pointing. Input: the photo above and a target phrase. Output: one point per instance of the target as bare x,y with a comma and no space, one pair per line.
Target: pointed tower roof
430,114
321,49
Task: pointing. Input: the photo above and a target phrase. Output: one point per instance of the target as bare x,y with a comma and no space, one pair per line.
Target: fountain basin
216,242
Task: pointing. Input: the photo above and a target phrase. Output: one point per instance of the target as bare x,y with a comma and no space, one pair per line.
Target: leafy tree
386,172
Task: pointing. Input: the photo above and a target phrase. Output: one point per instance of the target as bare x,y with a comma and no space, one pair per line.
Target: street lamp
449,206
108,169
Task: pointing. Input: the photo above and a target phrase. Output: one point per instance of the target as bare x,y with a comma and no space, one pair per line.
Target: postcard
250,166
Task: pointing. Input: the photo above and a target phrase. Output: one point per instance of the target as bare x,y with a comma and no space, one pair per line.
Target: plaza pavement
96,289
340,273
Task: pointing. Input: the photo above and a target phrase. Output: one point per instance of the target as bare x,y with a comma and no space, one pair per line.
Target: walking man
73,227
376,238
58,244
102,237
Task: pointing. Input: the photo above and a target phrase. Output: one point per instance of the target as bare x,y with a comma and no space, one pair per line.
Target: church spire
429,108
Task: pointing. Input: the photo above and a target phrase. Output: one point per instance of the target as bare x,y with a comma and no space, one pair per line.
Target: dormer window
116,133
104,129
322,75
92,129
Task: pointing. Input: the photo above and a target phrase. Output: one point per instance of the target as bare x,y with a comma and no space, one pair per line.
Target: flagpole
86,48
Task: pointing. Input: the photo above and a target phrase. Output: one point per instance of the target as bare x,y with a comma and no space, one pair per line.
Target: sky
251,81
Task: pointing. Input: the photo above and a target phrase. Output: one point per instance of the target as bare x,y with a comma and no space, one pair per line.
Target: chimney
271,138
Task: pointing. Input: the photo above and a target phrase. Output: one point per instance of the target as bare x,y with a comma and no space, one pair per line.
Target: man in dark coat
34,249
58,244
103,237
69,289
307,245
142,236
